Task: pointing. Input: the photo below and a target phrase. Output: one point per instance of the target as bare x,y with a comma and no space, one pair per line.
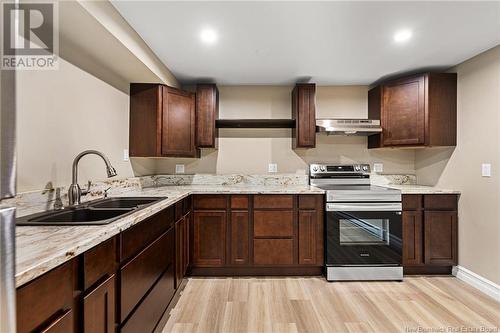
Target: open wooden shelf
255,123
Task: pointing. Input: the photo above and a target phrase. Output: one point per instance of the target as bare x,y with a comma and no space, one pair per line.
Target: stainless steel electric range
363,227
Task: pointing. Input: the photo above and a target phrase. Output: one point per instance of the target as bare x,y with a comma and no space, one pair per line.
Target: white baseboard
477,281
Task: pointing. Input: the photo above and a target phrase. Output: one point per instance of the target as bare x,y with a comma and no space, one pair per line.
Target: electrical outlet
378,167
179,168
486,170
273,167
125,155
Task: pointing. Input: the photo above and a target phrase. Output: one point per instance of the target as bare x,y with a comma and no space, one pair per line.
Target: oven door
363,234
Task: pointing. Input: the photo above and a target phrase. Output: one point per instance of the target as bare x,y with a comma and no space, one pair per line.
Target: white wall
460,168
61,113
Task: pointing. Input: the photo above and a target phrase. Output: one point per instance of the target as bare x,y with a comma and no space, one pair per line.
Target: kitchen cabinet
430,239
47,303
99,308
257,235
162,121
304,114
183,215
415,111
209,238
207,112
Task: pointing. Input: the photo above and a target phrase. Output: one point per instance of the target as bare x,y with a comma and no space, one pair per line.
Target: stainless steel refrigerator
7,190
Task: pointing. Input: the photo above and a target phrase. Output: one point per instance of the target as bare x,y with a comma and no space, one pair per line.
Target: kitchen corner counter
40,249
421,189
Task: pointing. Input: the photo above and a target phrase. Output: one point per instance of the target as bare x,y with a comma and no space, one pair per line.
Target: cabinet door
440,233
412,238
239,237
207,111
178,123
308,239
187,222
99,308
403,112
179,251
45,298
304,113
209,238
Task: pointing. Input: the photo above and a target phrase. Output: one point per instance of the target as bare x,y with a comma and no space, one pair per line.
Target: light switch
486,170
273,167
125,155
179,168
378,167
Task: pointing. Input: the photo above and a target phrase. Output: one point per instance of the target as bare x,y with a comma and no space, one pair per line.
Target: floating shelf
255,123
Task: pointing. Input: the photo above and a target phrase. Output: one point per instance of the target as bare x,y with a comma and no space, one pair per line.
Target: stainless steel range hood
348,126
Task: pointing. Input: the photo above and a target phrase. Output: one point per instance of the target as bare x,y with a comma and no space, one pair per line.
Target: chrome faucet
75,192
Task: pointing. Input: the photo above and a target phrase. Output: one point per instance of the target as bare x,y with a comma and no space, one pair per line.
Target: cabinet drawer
210,202
144,233
273,251
239,202
273,223
99,262
309,201
140,273
440,202
63,324
412,201
149,312
273,201
44,298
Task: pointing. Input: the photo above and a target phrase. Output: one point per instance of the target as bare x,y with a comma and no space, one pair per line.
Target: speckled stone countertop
421,189
40,249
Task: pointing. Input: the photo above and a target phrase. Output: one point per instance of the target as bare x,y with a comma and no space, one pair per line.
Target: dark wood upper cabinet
304,114
162,121
420,110
207,112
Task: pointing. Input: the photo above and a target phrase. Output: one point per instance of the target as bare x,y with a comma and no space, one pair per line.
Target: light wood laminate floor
314,305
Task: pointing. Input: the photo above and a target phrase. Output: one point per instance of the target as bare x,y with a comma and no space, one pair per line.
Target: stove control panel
338,169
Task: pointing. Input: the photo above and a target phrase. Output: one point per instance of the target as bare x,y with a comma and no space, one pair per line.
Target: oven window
363,231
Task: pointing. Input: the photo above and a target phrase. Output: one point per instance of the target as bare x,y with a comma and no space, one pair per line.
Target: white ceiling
330,43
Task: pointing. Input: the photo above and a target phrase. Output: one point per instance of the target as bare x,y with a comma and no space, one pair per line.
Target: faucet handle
106,192
86,191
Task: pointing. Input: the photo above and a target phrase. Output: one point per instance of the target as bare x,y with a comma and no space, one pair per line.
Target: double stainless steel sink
101,211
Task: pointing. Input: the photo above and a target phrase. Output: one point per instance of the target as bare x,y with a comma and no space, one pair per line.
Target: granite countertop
40,249
421,189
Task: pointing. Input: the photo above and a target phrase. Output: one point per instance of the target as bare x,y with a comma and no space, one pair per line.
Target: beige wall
460,168
250,150
61,113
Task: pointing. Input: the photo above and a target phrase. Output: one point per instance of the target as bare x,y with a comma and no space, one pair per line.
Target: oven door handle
364,207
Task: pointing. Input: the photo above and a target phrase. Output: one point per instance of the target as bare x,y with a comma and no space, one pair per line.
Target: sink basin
82,215
123,202
102,211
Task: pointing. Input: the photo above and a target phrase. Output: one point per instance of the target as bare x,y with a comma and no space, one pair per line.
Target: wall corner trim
477,281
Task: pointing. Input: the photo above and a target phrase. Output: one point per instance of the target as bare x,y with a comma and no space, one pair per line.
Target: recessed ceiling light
208,36
402,36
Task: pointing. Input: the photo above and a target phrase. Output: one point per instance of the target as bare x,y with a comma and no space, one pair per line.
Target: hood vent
348,126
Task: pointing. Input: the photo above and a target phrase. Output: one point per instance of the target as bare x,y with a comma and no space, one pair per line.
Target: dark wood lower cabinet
440,233
209,238
46,303
239,237
413,228
99,308
430,228
257,234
